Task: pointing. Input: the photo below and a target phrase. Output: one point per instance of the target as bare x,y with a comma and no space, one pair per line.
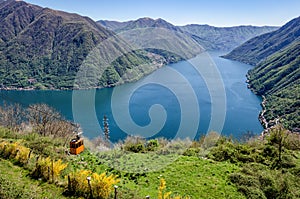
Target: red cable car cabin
76,146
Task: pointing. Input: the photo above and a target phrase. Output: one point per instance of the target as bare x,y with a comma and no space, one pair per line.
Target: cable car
76,145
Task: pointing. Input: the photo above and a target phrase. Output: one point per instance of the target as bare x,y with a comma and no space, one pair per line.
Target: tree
278,138
106,127
12,116
47,121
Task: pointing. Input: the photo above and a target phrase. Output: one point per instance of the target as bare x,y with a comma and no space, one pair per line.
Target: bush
192,152
134,144
48,169
101,185
259,181
14,151
152,145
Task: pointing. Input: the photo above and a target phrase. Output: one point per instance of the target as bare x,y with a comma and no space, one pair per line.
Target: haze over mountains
277,72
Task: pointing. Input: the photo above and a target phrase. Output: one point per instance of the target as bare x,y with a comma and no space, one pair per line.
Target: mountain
278,78
44,48
259,48
144,22
211,38
224,38
156,36
277,72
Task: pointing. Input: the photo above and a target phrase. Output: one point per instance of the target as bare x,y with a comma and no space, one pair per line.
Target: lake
185,99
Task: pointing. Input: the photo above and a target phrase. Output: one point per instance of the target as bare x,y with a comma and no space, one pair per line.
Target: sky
222,13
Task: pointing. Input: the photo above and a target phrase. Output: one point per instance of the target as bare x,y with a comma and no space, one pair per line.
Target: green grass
190,176
16,183
140,174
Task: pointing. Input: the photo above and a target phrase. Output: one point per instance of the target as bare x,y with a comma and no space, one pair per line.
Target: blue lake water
186,99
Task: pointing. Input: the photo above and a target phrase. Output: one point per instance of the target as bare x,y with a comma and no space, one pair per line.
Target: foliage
44,167
134,144
209,140
14,151
101,185
49,169
152,145
258,181
278,79
268,166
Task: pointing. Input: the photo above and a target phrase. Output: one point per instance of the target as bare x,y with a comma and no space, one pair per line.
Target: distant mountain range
139,23
209,37
226,38
277,72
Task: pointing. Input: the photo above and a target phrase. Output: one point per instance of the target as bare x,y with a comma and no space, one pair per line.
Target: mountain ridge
210,37
266,44
224,38
138,23
157,36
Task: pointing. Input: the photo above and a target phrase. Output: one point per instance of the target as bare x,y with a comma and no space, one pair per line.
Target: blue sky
181,12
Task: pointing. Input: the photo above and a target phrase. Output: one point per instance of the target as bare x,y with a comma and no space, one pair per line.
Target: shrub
101,185
49,169
134,144
192,152
152,145
14,151
22,155
259,181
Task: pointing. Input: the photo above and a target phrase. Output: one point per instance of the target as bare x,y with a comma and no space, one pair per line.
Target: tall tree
106,127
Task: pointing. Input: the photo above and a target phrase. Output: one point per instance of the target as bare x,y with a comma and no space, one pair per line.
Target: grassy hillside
15,182
215,167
